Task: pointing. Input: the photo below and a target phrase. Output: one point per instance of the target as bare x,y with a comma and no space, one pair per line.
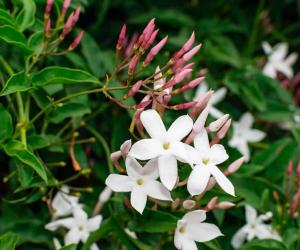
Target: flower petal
218,96
280,50
188,244
239,238
80,216
94,247
138,199
222,180
67,223
158,191
198,179
94,223
150,170
180,128
202,232
196,216
153,124
179,150
254,135
167,165
251,214
146,149
246,121
201,141
133,167
201,90
218,154
215,113
119,183
269,70
73,236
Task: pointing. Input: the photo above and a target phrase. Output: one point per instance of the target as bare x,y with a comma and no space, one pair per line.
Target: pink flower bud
129,47
155,50
199,123
298,169
143,104
181,75
148,35
122,37
135,88
216,125
150,40
190,85
65,7
233,167
76,16
47,28
76,40
132,64
225,205
202,102
125,147
211,204
188,204
222,132
188,44
149,26
115,156
105,195
68,25
290,168
177,65
187,56
185,105
48,8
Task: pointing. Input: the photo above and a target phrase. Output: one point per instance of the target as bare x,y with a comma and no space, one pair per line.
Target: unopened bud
188,44
135,88
65,7
76,41
200,122
68,26
151,40
125,147
155,50
211,204
187,56
47,28
105,195
122,37
202,103
48,8
188,204
76,16
216,125
290,168
132,64
192,84
185,105
225,205
233,167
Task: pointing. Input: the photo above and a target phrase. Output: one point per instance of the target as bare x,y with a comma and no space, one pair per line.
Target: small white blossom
278,60
243,134
79,227
191,228
141,182
206,159
255,228
217,97
63,203
164,145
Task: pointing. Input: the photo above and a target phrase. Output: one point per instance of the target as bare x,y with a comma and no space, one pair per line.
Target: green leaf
6,125
264,245
61,75
25,174
12,36
69,247
16,149
36,42
26,17
6,18
42,141
18,82
8,241
70,109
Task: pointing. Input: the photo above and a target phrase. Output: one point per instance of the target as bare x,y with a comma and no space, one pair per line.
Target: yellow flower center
140,182
182,230
81,228
205,161
166,145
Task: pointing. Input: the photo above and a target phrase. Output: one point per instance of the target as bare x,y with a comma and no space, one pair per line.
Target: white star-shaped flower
207,158
191,228
243,134
163,144
278,60
79,227
217,97
63,203
255,228
141,182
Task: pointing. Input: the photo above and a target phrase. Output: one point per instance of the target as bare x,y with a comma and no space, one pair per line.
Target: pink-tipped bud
149,42
223,205
135,88
129,47
143,104
221,133
188,44
188,66
187,56
132,64
125,147
211,204
290,168
105,195
48,8
76,16
115,156
150,26
155,50
122,37
235,166
216,125
202,102
192,84
181,75
189,204
185,105
148,35
76,41
68,26
47,28
200,122
65,7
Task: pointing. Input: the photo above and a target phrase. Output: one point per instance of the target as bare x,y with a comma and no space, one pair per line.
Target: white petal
80,216
94,247
239,238
167,165
266,47
196,216
158,191
133,167
215,112
285,69
254,135
291,59
218,96
150,170
222,180
153,124
62,204
201,90
201,141
198,179
246,121
138,199
269,70
159,81
73,236
194,155
280,50
177,239
119,183
263,231
179,150
146,149
188,244
244,149
67,223
180,128
94,223
251,214
218,154
202,232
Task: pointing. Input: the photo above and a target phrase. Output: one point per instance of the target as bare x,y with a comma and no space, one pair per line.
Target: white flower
141,182
79,227
277,60
166,145
206,159
254,228
159,81
190,229
217,96
243,134
63,203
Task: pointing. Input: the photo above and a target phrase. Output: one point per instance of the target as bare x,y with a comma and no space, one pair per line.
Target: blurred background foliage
231,32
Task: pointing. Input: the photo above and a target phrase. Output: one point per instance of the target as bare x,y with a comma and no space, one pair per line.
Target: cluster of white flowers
163,150
79,225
